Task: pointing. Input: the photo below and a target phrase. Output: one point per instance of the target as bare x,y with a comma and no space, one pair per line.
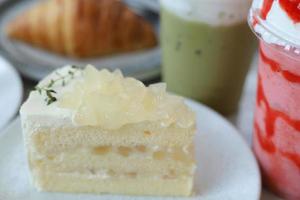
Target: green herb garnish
48,90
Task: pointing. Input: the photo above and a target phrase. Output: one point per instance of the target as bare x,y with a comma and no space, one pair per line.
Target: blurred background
153,46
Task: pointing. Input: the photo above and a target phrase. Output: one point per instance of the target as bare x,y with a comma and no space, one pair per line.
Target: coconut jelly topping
110,100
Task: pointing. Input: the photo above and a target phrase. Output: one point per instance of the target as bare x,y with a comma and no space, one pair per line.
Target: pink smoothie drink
276,139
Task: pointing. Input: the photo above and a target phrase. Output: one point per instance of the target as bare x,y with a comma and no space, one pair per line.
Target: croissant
83,28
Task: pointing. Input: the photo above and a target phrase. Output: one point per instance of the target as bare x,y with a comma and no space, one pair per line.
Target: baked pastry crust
83,28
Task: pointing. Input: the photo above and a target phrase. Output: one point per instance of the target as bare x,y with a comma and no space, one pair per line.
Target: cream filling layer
139,160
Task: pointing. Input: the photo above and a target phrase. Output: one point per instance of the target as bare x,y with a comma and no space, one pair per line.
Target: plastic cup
276,139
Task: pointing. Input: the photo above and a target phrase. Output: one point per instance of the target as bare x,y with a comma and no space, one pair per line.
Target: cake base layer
144,166
76,183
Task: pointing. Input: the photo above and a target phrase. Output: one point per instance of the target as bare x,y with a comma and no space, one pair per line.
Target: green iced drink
207,60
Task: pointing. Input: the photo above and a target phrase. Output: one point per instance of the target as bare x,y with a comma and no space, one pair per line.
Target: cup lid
275,23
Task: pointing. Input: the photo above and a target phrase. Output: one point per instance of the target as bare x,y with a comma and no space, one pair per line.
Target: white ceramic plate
11,92
152,5
36,63
226,167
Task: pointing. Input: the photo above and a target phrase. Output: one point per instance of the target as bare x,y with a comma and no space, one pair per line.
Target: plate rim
238,136
191,103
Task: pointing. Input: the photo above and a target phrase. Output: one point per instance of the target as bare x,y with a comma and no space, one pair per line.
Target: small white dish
11,92
226,166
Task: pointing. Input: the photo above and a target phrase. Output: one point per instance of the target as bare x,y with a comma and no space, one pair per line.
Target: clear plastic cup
276,139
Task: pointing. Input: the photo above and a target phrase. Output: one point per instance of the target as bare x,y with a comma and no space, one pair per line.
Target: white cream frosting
212,12
279,23
105,99
37,113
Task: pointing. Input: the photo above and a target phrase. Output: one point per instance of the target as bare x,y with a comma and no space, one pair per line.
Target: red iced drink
276,139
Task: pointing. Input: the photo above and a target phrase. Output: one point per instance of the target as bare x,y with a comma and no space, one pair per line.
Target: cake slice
91,131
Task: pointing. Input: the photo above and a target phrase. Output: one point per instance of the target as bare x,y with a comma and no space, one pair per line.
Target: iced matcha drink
207,50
